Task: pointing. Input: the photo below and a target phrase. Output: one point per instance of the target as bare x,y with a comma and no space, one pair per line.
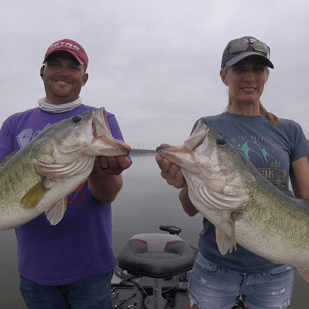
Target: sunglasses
242,46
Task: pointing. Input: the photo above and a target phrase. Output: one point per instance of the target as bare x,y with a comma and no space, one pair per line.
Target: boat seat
156,255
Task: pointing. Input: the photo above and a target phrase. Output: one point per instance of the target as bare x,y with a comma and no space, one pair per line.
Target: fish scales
11,192
264,231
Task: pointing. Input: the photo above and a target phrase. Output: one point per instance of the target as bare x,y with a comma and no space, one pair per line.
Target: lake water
144,203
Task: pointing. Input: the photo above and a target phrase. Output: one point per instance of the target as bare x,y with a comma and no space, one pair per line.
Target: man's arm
105,180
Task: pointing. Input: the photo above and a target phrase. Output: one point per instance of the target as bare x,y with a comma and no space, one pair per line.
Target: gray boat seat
156,255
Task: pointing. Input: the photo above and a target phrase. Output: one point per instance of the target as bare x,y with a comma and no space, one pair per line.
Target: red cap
71,47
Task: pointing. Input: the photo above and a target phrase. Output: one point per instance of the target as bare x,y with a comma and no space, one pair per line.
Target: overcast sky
155,63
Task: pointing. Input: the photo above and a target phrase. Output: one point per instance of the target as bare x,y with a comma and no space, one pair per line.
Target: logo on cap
71,47
64,43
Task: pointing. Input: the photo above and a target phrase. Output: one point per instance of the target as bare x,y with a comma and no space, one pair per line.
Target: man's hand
105,180
108,166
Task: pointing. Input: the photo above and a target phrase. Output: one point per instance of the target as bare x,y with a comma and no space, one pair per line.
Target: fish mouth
99,122
181,154
173,153
101,132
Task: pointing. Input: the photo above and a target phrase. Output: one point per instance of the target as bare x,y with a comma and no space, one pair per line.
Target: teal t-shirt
271,150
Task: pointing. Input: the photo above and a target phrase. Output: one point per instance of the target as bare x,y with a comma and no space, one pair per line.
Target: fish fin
33,196
223,241
304,272
56,213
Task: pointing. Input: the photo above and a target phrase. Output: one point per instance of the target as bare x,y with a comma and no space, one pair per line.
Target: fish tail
304,272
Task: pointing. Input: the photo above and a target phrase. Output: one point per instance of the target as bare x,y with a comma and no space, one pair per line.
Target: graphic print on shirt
262,153
26,136
79,195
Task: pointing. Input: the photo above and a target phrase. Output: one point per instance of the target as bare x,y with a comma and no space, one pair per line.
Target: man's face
63,78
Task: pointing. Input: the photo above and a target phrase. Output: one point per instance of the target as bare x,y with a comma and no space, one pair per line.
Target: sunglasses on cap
243,46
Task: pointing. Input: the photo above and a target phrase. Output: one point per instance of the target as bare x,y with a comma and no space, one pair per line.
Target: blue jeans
213,287
91,293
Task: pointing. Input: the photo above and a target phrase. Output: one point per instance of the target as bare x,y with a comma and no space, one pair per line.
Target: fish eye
221,141
76,118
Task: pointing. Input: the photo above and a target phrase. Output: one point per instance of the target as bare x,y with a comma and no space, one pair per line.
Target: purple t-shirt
80,245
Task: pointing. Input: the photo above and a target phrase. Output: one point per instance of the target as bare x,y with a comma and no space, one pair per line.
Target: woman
278,149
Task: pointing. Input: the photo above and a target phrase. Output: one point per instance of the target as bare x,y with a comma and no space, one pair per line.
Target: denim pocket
205,266
281,270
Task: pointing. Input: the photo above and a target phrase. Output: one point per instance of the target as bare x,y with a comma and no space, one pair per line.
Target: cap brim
55,50
234,60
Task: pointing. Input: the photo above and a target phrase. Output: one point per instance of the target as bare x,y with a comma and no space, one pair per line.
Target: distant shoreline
134,152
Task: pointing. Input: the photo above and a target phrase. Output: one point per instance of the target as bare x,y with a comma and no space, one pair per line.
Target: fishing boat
153,272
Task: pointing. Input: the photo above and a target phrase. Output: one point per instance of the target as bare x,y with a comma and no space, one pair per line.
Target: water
144,203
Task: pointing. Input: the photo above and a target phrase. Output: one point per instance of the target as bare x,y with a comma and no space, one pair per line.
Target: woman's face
246,80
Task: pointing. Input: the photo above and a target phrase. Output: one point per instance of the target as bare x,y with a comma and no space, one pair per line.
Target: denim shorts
91,293
213,287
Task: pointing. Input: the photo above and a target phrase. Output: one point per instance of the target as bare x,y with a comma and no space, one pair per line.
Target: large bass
242,204
39,177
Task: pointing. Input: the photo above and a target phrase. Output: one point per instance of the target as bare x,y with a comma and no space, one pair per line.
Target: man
68,265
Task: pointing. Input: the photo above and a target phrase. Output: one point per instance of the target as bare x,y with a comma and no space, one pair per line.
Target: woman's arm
299,175
174,177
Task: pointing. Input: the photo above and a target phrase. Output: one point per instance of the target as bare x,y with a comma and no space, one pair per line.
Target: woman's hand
171,172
